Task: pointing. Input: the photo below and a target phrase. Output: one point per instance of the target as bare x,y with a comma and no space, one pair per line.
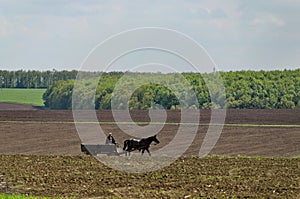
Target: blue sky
239,35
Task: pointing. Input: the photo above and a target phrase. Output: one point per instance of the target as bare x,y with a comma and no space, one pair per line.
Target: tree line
244,90
33,79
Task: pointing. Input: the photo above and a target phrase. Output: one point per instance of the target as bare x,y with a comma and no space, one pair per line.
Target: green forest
33,79
244,90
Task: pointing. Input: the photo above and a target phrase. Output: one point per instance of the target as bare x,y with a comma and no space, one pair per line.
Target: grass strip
13,196
152,123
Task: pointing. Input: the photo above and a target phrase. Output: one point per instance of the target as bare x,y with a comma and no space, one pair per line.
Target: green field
12,196
22,96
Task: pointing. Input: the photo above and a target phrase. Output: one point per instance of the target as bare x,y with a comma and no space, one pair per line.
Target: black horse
141,145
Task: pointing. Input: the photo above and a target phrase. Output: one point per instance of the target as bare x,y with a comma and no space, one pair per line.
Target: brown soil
188,177
14,106
52,132
53,164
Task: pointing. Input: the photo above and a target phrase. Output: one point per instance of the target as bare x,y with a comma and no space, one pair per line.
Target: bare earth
53,132
14,106
40,156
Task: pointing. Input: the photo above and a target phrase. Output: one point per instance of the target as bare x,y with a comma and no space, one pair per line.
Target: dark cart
95,149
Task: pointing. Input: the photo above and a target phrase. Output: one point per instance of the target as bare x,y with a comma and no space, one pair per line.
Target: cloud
5,27
268,19
232,30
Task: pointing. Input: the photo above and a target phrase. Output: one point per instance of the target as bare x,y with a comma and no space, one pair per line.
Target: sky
237,34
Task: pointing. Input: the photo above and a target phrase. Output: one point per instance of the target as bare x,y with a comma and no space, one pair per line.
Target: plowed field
41,156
